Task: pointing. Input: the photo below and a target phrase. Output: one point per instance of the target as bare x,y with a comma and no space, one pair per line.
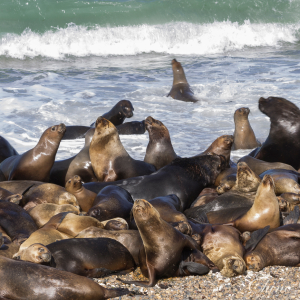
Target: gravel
271,283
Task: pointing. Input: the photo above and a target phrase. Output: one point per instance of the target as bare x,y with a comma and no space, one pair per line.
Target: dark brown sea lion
42,213
35,164
181,89
133,127
221,146
184,177
286,181
244,137
283,142
163,245
79,164
131,239
280,247
259,166
159,151
16,222
222,245
25,280
109,158
111,202
84,197
264,211
6,149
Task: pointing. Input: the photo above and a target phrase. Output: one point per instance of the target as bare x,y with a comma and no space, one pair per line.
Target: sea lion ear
256,237
293,217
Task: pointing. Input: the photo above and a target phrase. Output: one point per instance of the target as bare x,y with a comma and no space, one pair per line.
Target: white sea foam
172,38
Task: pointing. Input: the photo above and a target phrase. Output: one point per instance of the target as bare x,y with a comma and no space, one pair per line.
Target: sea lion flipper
201,218
193,268
256,237
293,217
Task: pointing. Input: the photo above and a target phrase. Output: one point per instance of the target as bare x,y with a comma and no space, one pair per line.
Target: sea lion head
178,73
116,225
253,262
68,198
55,132
225,142
268,182
241,113
74,184
157,130
143,211
104,128
233,266
36,253
126,108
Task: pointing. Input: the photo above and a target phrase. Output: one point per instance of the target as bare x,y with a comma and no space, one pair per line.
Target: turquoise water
71,61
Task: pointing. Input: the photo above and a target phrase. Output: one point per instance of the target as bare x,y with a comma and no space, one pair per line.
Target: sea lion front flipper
256,237
193,268
293,217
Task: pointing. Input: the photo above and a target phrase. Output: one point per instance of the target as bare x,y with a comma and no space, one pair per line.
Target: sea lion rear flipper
293,217
201,219
256,237
193,268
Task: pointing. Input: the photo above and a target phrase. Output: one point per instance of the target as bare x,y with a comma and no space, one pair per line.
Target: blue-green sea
71,61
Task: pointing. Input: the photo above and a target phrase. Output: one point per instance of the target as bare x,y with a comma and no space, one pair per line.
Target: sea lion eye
53,128
41,249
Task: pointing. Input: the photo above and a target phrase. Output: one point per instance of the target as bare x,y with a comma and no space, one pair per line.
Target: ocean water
71,61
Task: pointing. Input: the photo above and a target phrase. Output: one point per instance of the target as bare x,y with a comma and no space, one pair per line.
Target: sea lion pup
48,193
222,245
46,283
221,146
16,222
130,239
286,181
279,247
85,198
163,245
244,137
181,89
79,164
246,181
111,202
109,158
6,149
35,164
259,166
159,151
42,213
264,211
282,144
184,177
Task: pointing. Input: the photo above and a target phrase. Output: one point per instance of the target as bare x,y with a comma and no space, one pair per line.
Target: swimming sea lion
244,137
35,164
181,89
85,198
109,158
283,141
159,151
20,279
184,177
6,149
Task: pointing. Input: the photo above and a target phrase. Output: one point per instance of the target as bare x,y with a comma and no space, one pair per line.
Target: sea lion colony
102,212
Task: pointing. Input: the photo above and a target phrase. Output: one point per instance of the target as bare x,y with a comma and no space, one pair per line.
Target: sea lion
130,239
286,181
221,146
79,164
10,197
48,193
244,137
264,211
159,151
115,224
288,201
184,177
8,248
42,213
85,198
133,127
181,89
109,158
6,149
279,247
283,141
20,186
222,245
36,163
16,222
25,280
163,245
206,196
259,166
111,202
228,175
